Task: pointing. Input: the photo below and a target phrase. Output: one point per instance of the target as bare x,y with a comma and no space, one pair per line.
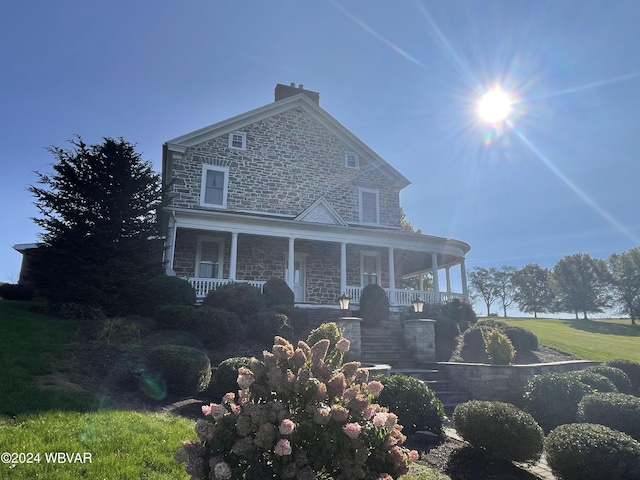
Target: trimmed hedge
415,404
594,380
374,305
616,375
588,451
265,325
278,293
501,429
472,348
552,399
13,291
164,290
614,410
185,370
241,298
631,368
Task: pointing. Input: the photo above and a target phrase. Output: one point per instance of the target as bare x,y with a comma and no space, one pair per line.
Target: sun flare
495,106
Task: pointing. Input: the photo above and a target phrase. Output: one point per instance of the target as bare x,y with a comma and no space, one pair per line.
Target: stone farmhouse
286,191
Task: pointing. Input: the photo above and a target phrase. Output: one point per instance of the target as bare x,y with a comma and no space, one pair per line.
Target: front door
299,278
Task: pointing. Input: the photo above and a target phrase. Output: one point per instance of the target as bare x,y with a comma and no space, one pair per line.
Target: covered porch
319,262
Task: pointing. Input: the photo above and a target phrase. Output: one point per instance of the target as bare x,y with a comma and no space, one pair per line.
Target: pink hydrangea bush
299,414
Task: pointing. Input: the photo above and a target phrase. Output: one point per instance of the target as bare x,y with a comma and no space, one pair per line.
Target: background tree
483,284
580,284
505,287
625,280
533,293
98,212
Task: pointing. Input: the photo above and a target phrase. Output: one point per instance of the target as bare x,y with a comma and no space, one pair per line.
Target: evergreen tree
98,209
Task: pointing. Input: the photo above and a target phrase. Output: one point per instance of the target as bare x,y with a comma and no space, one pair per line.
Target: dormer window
238,140
351,160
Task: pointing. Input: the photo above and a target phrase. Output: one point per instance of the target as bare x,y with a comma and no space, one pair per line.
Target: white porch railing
405,297
202,286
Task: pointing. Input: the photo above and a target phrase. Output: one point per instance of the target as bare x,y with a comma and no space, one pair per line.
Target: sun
495,106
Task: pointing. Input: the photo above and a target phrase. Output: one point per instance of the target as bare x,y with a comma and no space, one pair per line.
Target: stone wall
420,339
290,161
503,383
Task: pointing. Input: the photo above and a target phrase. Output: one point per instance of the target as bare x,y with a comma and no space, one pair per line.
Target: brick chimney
286,91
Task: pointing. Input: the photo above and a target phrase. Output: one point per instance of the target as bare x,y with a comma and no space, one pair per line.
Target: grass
599,340
33,344
122,445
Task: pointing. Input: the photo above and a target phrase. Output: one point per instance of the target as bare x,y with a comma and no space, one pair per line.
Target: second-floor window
238,140
215,182
369,206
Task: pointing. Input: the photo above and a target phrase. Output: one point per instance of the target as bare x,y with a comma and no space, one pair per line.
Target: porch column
448,279
170,250
422,282
290,264
392,278
343,268
436,282
463,274
233,263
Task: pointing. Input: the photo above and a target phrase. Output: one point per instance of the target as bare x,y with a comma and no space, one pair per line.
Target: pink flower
206,409
380,419
287,427
375,387
392,419
245,378
369,412
413,456
352,430
282,448
343,345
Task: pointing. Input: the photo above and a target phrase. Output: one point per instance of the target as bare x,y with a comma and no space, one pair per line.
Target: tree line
578,284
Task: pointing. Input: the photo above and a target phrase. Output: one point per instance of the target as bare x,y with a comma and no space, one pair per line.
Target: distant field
599,339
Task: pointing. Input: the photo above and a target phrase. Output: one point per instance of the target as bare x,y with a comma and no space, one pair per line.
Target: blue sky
404,76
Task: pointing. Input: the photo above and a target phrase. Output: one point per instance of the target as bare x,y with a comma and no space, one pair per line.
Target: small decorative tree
299,414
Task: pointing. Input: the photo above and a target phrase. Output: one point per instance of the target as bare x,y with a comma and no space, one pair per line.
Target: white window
370,268
369,206
351,160
209,257
215,183
238,140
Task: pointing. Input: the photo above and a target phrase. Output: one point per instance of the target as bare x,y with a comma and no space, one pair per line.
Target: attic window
238,140
351,160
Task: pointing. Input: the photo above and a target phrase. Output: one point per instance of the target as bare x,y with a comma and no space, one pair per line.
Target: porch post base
420,338
351,329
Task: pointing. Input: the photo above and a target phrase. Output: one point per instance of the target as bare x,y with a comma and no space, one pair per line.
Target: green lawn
600,339
32,344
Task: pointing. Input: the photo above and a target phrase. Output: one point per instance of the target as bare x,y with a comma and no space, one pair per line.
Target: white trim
362,190
203,183
369,253
220,242
243,140
356,160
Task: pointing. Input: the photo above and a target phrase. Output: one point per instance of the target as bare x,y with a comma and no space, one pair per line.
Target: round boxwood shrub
185,370
374,305
617,376
164,290
173,316
214,326
226,377
594,380
631,368
329,331
278,293
501,429
614,410
552,399
415,404
521,338
587,451
241,298
265,325
460,312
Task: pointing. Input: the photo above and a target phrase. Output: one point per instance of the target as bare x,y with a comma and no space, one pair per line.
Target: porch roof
449,250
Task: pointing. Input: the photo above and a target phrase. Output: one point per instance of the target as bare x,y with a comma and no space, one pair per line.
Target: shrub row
472,346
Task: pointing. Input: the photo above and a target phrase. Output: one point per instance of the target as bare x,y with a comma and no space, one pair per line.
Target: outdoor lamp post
344,300
418,304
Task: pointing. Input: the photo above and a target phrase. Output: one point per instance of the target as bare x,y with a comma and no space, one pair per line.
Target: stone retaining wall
503,383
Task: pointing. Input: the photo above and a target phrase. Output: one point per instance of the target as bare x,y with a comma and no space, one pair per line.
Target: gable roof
181,143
